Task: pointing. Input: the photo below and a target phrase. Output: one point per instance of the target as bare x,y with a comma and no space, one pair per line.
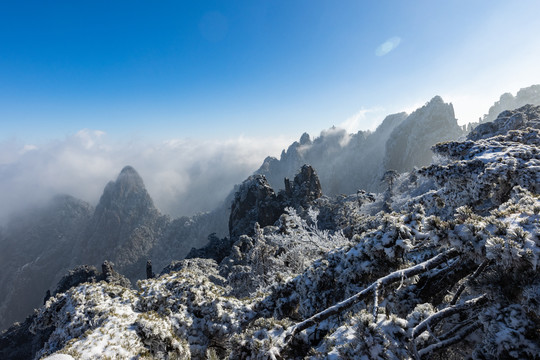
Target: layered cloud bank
182,176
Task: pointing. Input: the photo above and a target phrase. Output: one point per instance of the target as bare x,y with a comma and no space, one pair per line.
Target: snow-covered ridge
450,269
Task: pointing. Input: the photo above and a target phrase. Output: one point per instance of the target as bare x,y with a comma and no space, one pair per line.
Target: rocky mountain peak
437,99
124,226
129,177
435,111
410,142
255,201
127,193
305,188
305,139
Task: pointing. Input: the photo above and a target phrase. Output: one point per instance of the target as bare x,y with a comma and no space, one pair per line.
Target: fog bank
183,176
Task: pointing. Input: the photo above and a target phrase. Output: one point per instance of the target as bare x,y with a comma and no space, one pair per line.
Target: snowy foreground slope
449,270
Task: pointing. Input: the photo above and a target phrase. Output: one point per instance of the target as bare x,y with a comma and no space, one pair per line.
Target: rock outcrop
124,227
305,189
410,143
518,119
256,201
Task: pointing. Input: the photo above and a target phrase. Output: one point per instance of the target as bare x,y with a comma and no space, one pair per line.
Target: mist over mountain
443,264
507,101
41,245
125,227
183,177
36,250
399,143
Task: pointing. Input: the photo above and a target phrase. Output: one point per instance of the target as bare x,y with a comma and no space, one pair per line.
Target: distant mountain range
40,246
400,142
444,263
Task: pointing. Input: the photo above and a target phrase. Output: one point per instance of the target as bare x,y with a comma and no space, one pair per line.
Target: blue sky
220,69
195,94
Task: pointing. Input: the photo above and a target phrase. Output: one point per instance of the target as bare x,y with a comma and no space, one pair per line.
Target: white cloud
363,119
27,147
388,46
183,176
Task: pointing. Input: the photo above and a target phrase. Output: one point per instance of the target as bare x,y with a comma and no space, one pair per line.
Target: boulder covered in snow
518,119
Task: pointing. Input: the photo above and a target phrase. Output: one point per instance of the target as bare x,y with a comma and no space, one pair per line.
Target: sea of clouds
183,176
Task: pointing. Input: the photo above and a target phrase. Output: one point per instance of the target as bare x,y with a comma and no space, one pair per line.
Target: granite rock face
410,143
305,188
256,201
518,119
124,227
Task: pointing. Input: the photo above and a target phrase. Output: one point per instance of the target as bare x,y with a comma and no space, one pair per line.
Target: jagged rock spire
125,225
127,192
255,201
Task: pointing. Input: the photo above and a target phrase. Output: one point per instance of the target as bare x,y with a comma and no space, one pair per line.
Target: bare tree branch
462,287
455,329
382,282
444,313
451,341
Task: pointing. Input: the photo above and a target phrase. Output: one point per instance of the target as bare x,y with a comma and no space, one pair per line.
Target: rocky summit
125,225
409,143
256,202
399,143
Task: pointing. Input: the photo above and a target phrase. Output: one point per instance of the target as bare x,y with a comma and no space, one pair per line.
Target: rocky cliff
410,142
42,245
400,143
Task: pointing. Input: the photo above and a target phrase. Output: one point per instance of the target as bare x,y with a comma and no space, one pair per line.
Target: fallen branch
444,313
380,283
455,329
462,287
464,332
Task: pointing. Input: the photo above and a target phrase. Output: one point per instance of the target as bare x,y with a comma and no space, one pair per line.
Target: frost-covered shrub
259,340
508,333
366,339
197,308
91,321
273,257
